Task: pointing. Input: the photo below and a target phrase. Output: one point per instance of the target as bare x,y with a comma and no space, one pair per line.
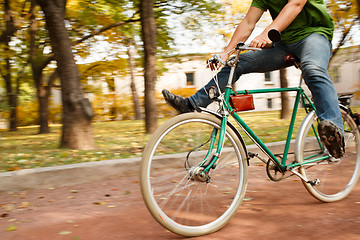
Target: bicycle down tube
300,96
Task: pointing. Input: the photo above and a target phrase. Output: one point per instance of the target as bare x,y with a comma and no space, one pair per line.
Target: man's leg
252,61
314,53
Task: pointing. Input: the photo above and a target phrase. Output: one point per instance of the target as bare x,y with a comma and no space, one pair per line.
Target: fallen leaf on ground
248,199
11,228
9,207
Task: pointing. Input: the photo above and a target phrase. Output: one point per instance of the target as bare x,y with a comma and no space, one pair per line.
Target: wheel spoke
179,201
337,176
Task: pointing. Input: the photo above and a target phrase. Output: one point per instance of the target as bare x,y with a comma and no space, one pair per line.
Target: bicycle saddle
293,59
345,99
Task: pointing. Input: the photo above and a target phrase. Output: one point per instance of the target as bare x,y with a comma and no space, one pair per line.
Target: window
269,103
267,77
189,79
334,74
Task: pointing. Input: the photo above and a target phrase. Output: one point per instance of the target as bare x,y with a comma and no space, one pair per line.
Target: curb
67,175
48,177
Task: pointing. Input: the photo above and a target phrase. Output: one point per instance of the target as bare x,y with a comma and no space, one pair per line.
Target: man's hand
217,60
261,41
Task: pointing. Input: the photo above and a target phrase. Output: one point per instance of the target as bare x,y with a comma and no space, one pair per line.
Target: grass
27,149
114,140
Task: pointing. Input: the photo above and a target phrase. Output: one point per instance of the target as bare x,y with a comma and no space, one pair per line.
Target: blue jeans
314,53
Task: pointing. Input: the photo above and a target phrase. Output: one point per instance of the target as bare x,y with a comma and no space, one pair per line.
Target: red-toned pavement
114,209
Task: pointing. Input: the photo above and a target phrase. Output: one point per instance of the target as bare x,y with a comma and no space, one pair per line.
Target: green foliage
27,92
100,70
344,12
192,15
55,113
27,113
346,15
109,107
230,16
88,16
3,103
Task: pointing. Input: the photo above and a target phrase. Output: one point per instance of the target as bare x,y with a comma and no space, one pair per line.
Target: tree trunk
135,96
77,112
43,98
43,111
12,98
11,95
37,69
10,91
148,32
285,100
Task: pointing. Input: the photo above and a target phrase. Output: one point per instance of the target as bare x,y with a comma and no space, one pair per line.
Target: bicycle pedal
314,182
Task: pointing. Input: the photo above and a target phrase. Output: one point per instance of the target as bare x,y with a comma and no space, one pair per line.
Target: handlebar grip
240,44
274,35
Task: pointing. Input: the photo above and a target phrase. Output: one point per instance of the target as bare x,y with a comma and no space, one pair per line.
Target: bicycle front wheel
182,203
332,179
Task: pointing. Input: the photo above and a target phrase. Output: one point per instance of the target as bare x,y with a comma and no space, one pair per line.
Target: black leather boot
181,104
332,137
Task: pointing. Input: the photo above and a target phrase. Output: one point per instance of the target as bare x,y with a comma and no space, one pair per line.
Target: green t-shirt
312,19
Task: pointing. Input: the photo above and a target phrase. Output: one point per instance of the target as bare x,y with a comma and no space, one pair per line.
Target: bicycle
194,168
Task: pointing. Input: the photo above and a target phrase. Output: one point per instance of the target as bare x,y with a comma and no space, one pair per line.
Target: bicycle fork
209,163
202,171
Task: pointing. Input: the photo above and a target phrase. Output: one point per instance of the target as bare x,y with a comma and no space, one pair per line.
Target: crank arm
312,182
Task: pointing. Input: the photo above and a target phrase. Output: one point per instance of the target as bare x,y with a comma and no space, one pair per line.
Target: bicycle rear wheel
182,203
337,176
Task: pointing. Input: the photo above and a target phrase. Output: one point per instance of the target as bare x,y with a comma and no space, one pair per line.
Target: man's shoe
332,137
181,104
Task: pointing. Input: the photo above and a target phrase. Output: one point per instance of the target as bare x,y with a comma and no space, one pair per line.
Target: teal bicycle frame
227,109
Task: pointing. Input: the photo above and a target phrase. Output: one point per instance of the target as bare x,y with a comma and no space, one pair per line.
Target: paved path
113,209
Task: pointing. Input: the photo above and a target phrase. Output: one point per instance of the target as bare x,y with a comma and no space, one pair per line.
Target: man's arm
282,21
243,30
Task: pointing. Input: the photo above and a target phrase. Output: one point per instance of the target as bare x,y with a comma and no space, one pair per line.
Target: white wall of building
348,77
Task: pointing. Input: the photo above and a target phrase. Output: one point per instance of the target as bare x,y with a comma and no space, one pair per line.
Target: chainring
274,171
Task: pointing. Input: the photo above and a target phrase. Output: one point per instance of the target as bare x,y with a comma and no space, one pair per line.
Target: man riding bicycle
307,31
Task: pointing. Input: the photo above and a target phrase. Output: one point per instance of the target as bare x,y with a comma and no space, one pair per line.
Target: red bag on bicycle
242,102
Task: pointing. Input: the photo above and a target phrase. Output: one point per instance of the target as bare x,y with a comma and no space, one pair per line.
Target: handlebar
274,35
